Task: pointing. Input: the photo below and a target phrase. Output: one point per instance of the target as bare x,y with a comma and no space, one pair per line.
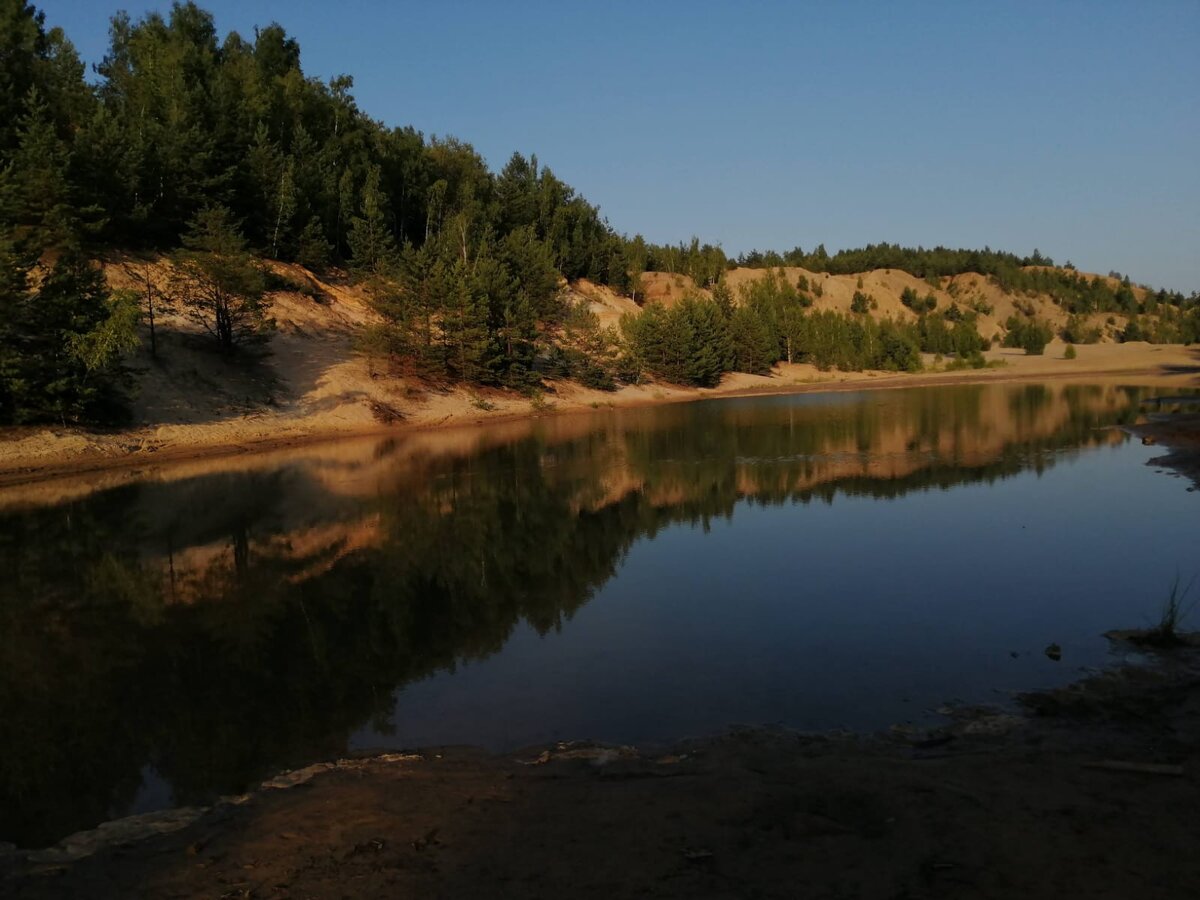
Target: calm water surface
820,561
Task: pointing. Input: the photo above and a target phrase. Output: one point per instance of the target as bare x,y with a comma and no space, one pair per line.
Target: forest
219,152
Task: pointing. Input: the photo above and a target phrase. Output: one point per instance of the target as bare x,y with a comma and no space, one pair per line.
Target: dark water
841,560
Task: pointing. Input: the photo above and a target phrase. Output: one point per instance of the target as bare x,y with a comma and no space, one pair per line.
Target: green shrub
1032,335
1077,331
1133,332
917,304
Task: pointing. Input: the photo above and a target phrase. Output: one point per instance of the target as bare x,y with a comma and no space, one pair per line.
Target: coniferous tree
218,283
38,201
463,325
313,250
753,344
711,354
62,341
372,246
723,297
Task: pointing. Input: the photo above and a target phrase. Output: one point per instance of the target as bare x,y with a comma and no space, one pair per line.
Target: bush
1032,336
1133,332
1077,331
970,361
981,306
917,304
1070,353
570,362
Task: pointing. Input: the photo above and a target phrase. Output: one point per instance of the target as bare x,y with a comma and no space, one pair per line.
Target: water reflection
219,620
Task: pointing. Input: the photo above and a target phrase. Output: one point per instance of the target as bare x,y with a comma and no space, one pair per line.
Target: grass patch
538,402
1174,610
1166,634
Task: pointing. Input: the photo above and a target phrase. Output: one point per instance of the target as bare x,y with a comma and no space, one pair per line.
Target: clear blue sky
1073,127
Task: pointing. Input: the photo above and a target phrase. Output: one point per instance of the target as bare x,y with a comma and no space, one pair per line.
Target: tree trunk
150,312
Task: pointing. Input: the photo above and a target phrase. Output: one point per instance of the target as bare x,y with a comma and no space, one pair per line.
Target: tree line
1032,274
701,338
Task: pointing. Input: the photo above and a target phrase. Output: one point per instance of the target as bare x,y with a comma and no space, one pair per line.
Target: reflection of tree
229,625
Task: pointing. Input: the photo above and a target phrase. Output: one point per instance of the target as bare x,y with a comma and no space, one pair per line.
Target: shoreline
110,450
1104,769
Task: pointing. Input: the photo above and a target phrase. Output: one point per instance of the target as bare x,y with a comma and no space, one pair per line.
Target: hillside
969,291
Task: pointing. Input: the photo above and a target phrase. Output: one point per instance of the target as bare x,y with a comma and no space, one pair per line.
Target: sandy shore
35,453
1088,791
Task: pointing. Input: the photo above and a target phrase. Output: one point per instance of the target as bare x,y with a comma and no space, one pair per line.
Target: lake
819,561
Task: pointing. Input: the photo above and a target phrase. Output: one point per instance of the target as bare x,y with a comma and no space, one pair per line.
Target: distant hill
972,291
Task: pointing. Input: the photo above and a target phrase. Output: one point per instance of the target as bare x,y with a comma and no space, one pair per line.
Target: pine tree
464,327
218,283
723,297
313,250
372,246
40,201
62,342
752,343
15,267
711,352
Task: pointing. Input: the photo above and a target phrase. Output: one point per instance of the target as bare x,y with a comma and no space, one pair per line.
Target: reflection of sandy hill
210,571
293,515
892,441
362,467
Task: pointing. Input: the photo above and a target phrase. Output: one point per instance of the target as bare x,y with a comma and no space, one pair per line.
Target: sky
1072,127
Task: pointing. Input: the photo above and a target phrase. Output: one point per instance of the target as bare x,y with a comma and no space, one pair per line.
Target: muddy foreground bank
1091,791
